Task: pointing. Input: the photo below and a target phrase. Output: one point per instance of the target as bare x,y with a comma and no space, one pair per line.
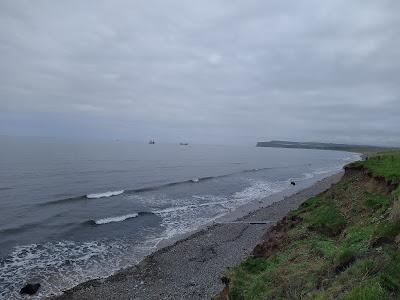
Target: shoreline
341,244
190,266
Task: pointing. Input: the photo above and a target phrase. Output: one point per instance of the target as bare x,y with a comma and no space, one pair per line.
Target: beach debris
293,183
30,289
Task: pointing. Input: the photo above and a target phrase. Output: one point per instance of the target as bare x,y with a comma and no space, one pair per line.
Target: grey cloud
211,71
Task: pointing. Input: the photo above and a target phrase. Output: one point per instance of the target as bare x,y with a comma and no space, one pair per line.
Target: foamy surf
115,219
104,195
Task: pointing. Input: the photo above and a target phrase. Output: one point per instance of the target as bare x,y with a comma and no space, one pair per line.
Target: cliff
341,244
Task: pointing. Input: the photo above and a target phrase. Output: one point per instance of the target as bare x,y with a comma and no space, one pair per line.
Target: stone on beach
30,289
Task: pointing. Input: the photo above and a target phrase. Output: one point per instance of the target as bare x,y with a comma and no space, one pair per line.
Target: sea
75,210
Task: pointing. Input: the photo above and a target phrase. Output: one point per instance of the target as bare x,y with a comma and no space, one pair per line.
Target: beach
118,203
192,267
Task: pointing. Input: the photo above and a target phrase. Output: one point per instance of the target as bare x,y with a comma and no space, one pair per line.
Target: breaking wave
141,190
116,219
104,195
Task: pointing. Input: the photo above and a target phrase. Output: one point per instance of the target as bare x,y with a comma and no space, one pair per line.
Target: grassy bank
342,244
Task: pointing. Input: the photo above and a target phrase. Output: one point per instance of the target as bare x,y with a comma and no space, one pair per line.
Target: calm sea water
72,211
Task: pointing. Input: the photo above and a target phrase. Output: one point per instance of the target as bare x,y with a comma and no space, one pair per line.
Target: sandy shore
191,268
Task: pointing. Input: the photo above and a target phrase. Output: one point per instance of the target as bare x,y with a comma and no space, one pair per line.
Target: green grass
376,201
363,268
343,247
344,257
368,290
396,193
258,273
386,165
327,218
358,236
324,247
390,276
388,230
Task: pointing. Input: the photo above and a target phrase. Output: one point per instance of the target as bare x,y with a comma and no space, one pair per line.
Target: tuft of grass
307,205
363,268
396,194
258,265
358,236
252,278
376,201
387,230
390,277
344,257
368,290
327,219
324,247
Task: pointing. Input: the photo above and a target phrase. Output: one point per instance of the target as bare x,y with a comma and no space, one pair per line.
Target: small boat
152,142
183,144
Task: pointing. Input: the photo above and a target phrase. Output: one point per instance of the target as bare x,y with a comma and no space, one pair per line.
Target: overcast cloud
217,71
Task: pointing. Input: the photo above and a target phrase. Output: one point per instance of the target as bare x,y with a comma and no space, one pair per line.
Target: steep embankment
342,244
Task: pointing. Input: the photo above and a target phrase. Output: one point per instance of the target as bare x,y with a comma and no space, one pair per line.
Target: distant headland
324,146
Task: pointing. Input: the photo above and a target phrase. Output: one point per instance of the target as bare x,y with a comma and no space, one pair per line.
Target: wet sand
191,268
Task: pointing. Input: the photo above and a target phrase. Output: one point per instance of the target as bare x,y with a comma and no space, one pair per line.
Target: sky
210,71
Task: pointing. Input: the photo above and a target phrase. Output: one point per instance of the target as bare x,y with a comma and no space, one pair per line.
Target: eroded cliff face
344,243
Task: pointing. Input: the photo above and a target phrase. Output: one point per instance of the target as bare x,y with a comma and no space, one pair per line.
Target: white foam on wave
189,214
61,265
105,194
257,190
115,219
308,176
354,157
328,170
195,180
305,176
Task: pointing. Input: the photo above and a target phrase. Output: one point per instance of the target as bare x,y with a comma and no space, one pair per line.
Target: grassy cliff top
342,244
386,165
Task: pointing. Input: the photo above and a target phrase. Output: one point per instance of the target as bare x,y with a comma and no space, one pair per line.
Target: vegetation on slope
386,165
342,244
